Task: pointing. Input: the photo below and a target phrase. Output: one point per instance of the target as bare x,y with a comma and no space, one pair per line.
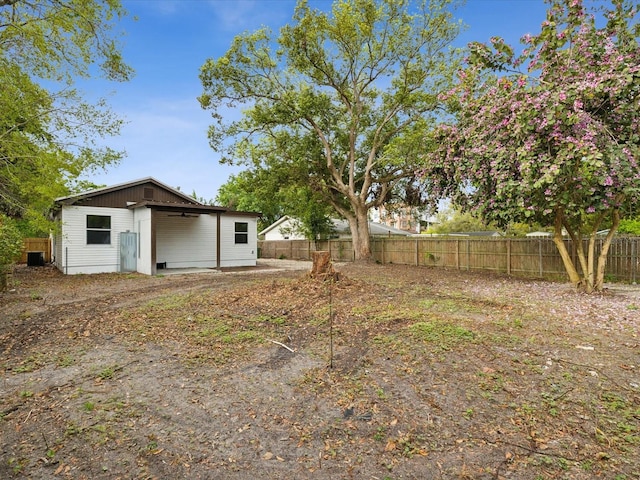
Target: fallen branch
283,346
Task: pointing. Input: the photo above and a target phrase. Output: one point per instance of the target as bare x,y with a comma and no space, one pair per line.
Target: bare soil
390,372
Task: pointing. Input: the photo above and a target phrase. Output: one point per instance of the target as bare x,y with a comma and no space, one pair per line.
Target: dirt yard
392,372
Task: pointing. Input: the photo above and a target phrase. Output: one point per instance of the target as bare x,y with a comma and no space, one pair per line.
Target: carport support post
218,240
154,269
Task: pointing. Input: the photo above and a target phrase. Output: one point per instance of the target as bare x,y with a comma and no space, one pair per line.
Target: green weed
17,465
380,434
613,402
30,364
65,360
443,334
107,373
268,320
225,334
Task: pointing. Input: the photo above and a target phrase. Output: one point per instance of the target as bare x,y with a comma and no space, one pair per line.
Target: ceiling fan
184,215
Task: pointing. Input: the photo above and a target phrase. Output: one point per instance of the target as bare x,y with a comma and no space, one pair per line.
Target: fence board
523,257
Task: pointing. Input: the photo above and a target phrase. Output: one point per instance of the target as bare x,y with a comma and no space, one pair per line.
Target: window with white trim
98,230
242,232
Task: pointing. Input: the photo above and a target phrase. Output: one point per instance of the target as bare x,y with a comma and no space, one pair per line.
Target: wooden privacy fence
523,257
36,245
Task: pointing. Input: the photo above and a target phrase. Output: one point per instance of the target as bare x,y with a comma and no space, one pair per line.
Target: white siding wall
286,226
142,227
184,242
238,255
76,255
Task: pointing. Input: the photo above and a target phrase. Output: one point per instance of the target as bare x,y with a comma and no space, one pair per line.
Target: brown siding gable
125,194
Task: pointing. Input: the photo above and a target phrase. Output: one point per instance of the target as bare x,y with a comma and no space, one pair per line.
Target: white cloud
242,15
167,139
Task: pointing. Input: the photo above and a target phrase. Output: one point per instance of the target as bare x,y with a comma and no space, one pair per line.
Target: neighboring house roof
539,234
375,229
341,227
276,224
488,233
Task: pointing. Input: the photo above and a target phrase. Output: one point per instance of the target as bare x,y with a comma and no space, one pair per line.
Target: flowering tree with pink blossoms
552,135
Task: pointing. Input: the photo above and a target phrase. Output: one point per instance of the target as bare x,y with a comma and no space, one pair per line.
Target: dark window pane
99,221
242,227
98,237
242,238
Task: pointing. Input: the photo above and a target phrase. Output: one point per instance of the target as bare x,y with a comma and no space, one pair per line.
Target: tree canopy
553,135
49,135
344,97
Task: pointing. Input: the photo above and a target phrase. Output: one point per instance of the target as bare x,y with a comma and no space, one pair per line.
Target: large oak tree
344,95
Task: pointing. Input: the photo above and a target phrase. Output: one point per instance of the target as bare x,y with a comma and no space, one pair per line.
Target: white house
145,225
286,228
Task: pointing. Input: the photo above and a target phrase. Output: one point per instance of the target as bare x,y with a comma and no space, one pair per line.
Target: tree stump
322,266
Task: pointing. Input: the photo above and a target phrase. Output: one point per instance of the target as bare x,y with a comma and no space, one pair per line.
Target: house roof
173,201
375,229
342,226
275,224
487,233
71,199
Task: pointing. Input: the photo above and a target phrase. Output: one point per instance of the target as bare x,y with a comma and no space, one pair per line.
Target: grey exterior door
128,251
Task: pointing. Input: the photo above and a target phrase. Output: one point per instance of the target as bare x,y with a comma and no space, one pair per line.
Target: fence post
417,254
468,255
540,256
508,256
457,254
634,260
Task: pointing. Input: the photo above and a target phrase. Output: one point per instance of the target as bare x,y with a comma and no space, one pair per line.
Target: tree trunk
574,277
592,278
602,258
361,242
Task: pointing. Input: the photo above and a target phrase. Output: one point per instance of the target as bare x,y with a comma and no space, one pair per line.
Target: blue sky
165,135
